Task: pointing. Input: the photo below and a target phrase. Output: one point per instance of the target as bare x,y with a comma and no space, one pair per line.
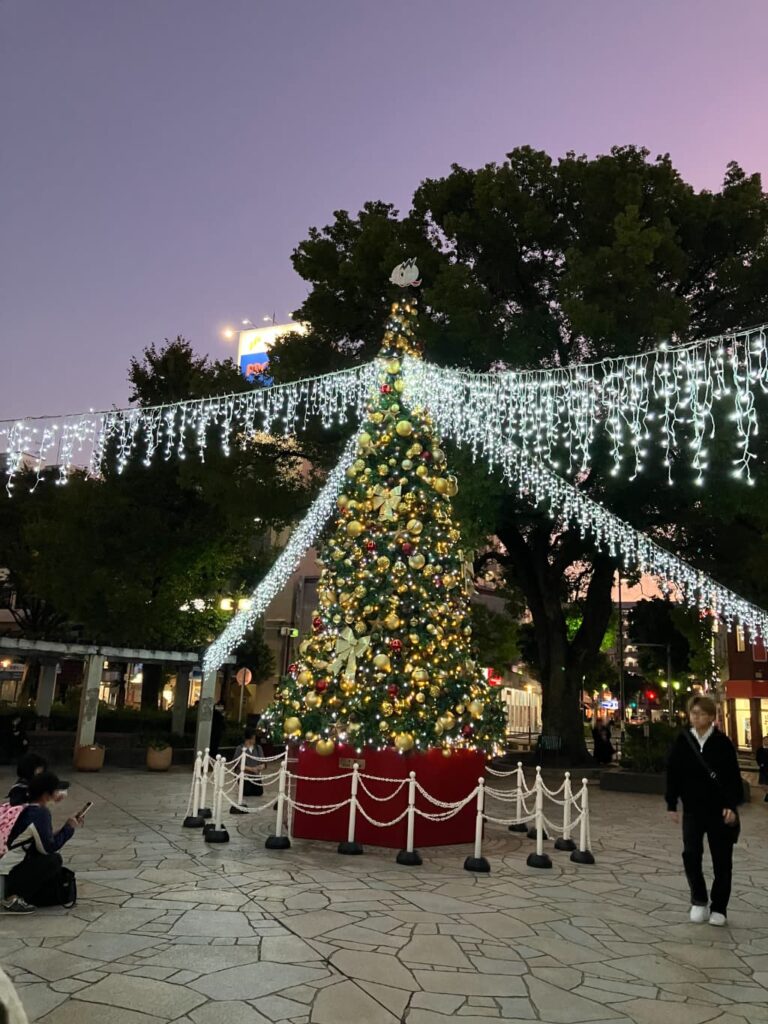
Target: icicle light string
83,438
301,540
666,397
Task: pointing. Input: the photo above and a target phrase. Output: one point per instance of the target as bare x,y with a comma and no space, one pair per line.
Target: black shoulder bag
735,827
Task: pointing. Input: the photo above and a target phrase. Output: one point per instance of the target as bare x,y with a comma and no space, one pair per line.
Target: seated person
253,767
34,882
29,765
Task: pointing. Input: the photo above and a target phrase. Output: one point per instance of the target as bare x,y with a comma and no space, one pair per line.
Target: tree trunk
562,664
152,680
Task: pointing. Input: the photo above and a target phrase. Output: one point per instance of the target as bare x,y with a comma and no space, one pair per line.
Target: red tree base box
445,778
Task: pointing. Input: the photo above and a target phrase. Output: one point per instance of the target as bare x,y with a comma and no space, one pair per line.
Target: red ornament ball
321,685
426,456
317,623
393,690
407,547
396,645
370,545
467,730
438,581
293,668
386,389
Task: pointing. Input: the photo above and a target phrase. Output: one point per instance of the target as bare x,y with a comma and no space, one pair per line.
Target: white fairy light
301,540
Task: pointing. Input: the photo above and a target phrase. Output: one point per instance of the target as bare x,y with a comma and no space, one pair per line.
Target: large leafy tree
540,263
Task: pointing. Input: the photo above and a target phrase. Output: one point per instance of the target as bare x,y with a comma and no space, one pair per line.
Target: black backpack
60,891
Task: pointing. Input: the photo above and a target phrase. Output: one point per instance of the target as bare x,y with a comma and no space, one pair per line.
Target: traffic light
650,694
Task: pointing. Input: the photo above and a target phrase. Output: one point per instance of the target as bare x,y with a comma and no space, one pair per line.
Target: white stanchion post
539,859
204,812
533,832
477,861
410,857
350,846
519,825
239,807
278,841
583,855
564,842
195,818
215,832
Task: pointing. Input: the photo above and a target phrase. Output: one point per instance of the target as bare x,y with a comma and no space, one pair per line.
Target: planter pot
159,760
89,759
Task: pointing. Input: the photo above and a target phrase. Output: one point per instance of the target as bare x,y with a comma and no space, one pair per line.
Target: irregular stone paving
169,928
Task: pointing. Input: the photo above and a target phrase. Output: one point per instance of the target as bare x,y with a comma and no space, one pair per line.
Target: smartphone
84,810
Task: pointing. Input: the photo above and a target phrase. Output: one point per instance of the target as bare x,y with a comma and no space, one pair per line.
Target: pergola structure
93,656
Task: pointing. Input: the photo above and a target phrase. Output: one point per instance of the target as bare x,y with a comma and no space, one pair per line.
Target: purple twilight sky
159,159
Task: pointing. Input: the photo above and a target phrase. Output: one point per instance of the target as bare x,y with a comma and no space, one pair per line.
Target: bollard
564,842
539,859
583,855
410,857
477,861
204,812
533,831
278,841
239,807
350,846
519,825
195,819
214,832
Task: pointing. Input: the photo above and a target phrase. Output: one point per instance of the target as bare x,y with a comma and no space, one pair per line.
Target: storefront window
743,724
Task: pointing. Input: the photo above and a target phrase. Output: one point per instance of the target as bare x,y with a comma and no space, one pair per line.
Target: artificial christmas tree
389,661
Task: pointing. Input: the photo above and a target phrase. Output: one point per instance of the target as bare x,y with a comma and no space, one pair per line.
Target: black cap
44,782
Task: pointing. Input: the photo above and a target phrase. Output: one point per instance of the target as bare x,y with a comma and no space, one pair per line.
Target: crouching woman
40,879
703,773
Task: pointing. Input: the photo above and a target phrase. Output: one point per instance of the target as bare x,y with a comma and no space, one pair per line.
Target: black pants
721,839
33,877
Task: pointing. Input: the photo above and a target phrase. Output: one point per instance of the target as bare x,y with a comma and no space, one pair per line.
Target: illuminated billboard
254,345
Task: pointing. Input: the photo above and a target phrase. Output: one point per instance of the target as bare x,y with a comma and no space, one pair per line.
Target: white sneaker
718,920
699,915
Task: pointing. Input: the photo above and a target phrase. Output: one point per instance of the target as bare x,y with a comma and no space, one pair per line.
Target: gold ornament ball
325,747
440,484
404,742
434,691
364,440
453,487
447,721
337,555
476,708
439,728
393,366
413,451
404,428
382,662
399,385
346,685
421,470
313,700
414,526
438,455
292,726
459,709
406,464
386,708
383,470
304,678
420,675
417,561
360,627
355,528
447,752
342,501
385,439
420,698
383,726
392,621
382,563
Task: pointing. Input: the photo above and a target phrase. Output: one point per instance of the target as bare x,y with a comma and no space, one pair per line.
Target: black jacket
687,778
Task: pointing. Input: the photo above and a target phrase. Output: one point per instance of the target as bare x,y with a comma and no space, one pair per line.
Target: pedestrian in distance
703,773
217,729
40,879
254,754
603,747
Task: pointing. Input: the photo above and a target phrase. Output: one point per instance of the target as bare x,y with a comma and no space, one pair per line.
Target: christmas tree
389,661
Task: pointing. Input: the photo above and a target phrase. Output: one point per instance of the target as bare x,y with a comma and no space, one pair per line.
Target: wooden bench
547,744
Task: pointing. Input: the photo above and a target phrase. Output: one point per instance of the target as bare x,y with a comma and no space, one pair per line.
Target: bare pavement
169,928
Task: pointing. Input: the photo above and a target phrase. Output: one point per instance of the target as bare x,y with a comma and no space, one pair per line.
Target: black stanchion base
192,821
410,858
565,844
532,834
205,812
477,864
538,860
209,826
216,835
351,849
277,843
239,809
582,857
518,828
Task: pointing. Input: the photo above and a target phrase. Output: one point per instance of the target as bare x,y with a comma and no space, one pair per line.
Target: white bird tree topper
406,274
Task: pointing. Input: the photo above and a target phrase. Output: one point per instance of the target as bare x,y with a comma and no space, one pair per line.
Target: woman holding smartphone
40,879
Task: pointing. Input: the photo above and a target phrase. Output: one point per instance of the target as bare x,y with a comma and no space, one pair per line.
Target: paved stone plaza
171,928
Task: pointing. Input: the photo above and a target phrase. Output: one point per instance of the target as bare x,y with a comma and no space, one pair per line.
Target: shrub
648,753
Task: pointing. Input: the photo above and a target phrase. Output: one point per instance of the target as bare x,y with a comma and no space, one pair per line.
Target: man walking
703,772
